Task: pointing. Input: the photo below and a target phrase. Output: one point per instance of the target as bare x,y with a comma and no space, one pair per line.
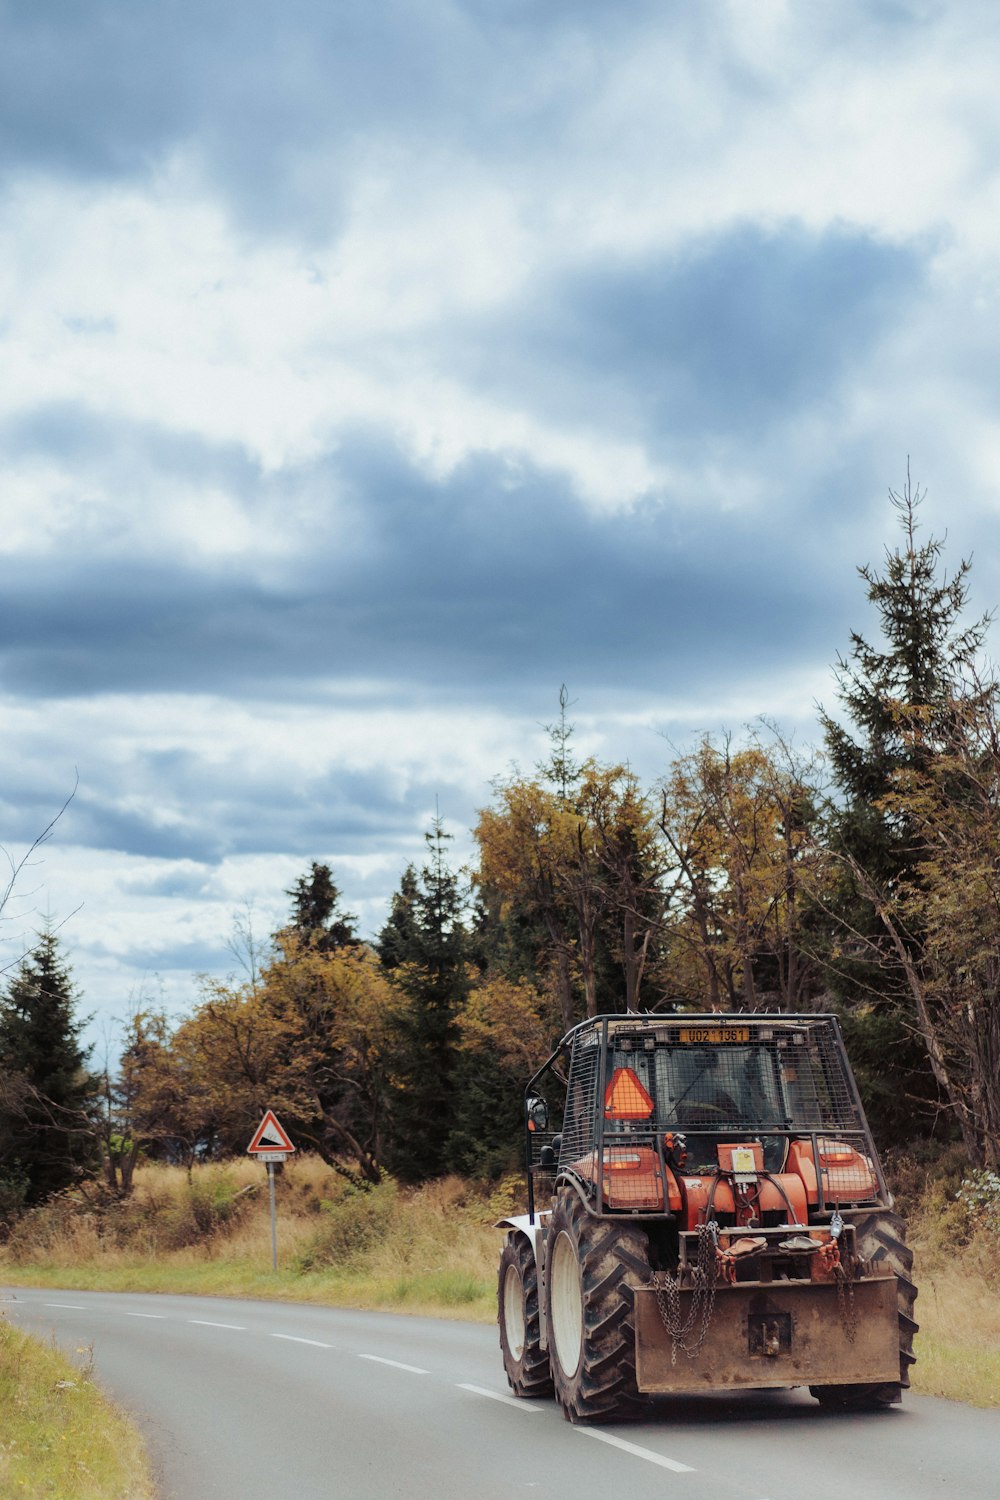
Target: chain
668,1300
845,1302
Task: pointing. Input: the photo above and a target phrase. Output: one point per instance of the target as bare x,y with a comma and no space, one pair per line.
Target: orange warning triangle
269,1136
625,1098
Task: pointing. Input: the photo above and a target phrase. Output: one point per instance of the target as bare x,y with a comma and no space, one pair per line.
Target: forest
862,878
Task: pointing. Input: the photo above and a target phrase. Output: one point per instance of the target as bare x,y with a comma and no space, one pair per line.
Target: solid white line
633,1448
203,1323
160,1316
480,1390
293,1340
396,1364
76,1306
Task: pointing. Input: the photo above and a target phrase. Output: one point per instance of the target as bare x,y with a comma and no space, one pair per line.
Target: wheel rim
513,1312
566,1303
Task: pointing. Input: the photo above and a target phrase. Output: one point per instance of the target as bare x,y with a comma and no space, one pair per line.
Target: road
278,1401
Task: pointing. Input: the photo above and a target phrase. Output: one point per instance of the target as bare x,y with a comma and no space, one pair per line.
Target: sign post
271,1143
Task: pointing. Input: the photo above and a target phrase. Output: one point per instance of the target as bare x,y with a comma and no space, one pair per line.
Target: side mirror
537,1112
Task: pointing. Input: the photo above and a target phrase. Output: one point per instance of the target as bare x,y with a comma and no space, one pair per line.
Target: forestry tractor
715,1218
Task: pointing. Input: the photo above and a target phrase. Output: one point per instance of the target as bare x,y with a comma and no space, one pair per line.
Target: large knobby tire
880,1239
524,1359
593,1268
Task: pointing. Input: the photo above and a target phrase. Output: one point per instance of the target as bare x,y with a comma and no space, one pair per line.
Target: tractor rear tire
880,1240
593,1269
524,1359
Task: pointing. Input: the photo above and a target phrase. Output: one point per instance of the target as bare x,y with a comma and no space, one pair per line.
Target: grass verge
58,1435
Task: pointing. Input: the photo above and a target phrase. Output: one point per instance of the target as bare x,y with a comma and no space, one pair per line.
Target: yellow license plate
713,1035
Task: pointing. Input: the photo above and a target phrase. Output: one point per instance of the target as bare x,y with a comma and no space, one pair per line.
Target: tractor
716,1218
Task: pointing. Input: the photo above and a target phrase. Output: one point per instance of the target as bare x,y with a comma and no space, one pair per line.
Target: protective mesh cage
715,1083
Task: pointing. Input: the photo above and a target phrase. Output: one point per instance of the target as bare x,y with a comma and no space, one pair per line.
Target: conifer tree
317,920
433,972
923,666
48,1138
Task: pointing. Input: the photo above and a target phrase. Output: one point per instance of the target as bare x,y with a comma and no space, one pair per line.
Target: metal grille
720,1083
582,1118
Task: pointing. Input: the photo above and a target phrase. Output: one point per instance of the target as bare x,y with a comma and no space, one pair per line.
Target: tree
923,663
399,941
743,871
502,1035
943,916
923,670
152,1104
317,920
434,978
49,1133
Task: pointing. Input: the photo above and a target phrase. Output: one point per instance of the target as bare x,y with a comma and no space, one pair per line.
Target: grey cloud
495,578
725,337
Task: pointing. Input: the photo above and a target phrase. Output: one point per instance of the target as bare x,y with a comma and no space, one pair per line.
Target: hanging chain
845,1302
667,1289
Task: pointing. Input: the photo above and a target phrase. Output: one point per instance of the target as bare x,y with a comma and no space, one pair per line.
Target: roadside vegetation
430,1249
433,1249
58,1435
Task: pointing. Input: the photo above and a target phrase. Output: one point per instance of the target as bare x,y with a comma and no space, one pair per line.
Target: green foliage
921,667
351,1225
317,920
48,1100
434,978
979,1195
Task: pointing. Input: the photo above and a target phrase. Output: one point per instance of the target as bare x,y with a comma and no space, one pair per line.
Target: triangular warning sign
269,1136
625,1098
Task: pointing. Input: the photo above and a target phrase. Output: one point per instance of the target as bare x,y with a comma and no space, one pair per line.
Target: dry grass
429,1250
958,1273
58,1435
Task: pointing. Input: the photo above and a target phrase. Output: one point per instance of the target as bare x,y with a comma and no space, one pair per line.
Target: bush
979,1195
351,1224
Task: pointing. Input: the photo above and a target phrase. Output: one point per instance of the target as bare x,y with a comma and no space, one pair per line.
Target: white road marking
396,1364
480,1390
75,1306
160,1316
291,1338
633,1448
204,1323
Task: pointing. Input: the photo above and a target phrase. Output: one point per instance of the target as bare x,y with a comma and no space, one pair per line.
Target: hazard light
625,1098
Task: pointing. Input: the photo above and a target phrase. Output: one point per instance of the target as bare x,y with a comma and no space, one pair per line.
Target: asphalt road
278,1401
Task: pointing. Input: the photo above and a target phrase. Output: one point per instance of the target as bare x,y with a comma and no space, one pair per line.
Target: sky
371,368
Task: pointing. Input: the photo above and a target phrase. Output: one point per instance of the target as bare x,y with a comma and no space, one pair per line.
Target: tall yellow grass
428,1250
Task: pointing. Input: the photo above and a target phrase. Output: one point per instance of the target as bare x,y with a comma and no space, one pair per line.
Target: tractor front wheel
593,1268
524,1359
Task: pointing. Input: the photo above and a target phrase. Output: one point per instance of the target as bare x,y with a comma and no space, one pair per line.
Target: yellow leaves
505,1019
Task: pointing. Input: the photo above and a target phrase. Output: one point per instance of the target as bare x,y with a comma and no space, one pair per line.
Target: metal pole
274,1219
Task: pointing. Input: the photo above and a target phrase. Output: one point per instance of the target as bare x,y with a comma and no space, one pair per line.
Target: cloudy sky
369,368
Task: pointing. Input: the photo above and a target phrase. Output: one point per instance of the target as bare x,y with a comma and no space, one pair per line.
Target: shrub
980,1197
351,1224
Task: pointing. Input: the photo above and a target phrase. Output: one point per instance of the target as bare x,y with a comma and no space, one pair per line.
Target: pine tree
923,665
398,942
317,920
433,973
49,1133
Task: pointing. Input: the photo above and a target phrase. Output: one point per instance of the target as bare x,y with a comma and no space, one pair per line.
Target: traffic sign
271,1141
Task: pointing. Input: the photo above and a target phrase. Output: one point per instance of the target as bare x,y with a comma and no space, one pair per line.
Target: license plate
714,1035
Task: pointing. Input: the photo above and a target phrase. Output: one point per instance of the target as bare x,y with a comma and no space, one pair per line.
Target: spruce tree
399,941
317,919
925,661
48,1136
431,950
